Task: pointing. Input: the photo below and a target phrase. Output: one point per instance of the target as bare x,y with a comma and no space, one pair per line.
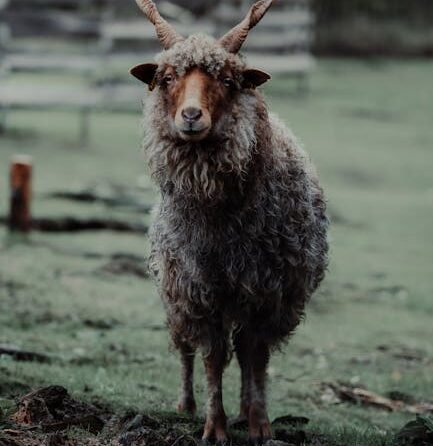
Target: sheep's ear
253,78
145,73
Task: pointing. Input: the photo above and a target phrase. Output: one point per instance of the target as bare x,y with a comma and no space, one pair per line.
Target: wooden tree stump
21,194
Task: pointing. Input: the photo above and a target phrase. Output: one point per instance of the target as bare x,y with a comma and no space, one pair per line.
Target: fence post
21,194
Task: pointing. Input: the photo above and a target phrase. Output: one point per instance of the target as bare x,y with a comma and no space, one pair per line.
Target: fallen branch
115,197
72,224
22,355
362,396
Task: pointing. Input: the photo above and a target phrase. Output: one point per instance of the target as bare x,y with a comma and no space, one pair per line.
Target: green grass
368,127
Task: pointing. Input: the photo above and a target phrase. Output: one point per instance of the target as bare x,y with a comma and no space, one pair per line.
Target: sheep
239,240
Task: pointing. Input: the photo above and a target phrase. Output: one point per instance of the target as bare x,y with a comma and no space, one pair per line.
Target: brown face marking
196,101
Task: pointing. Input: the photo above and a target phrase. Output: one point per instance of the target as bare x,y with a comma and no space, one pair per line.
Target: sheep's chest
225,251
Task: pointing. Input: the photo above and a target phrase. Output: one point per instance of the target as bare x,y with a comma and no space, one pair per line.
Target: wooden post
21,194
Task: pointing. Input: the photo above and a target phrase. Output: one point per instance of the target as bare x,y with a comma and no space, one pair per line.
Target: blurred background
352,78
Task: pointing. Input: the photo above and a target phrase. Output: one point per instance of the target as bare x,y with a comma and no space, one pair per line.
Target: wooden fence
35,33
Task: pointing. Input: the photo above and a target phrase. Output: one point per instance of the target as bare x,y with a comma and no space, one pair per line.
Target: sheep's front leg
216,421
187,401
243,353
259,426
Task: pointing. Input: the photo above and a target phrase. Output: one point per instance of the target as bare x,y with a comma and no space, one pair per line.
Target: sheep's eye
228,82
168,79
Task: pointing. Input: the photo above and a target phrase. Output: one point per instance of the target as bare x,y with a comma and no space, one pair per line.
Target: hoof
219,439
259,430
215,431
215,427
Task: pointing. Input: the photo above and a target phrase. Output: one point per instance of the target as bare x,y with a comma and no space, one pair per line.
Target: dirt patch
127,264
406,356
101,324
45,418
145,430
417,433
52,409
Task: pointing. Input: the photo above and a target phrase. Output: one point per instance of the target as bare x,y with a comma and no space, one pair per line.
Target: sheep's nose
191,114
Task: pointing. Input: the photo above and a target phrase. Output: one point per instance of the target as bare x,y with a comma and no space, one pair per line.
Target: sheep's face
197,100
198,82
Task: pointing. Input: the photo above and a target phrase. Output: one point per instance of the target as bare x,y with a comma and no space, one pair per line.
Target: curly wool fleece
199,50
240,234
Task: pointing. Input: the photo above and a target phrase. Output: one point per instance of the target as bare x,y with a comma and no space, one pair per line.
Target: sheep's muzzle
194,100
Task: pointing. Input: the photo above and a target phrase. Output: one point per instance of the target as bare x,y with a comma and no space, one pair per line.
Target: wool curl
199,50
239,240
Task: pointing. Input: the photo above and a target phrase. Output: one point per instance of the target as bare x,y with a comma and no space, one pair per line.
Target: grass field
368,127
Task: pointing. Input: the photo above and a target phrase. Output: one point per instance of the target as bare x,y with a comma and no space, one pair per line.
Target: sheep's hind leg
216,422
259,426
186,400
